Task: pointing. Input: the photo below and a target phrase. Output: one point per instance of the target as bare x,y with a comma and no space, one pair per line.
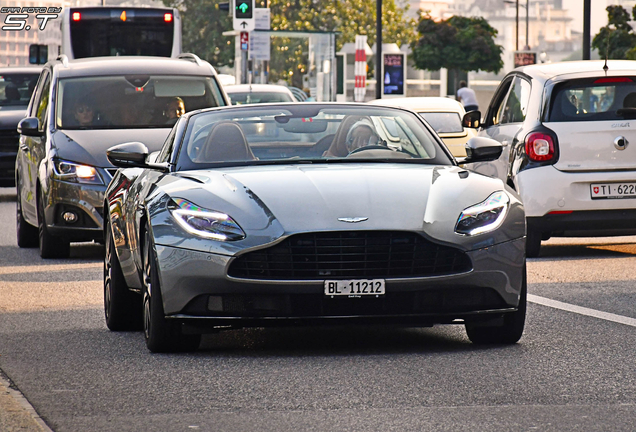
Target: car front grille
9,140
350,254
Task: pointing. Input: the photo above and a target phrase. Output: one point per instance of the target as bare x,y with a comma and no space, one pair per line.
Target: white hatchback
569,136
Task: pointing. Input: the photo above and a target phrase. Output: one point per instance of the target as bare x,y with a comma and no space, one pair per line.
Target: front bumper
83,199
195,289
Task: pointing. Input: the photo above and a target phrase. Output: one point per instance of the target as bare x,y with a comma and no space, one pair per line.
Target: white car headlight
73,172
485,216
205,223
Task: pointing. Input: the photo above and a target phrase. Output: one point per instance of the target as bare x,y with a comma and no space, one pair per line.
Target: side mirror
128,155
472,119
481,149
30,126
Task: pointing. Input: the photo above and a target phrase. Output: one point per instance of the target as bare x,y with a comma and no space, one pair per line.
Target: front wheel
506,331
27,234
50,246
161,334
122,307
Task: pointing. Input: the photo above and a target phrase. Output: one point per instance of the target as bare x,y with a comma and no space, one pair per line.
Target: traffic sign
245,41
244,15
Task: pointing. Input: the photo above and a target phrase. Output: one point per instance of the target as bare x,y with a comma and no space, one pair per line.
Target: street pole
378,49
587,6
527,24
517,27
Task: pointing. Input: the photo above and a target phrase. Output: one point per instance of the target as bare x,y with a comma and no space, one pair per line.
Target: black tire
122,307
510,329
27,234
161,334
533,244
50,246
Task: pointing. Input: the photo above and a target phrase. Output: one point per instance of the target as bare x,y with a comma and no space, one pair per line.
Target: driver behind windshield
362,134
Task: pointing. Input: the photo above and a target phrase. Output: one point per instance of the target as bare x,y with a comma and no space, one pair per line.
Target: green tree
458,44
203,24
348,17
617,39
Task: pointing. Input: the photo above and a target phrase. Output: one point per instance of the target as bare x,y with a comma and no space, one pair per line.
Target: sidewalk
16,414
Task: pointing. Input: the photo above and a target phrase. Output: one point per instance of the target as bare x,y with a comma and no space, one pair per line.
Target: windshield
309,133
16,88
135,101
606,98
444,122
241,98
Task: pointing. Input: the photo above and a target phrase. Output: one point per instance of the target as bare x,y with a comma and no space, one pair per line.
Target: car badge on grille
353,219
620,142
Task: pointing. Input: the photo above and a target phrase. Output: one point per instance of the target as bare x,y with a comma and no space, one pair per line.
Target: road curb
16,413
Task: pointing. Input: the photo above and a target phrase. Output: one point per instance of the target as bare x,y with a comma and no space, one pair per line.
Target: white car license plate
613,190
354,287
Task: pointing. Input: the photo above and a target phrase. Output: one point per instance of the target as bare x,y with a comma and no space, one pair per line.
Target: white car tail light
539,147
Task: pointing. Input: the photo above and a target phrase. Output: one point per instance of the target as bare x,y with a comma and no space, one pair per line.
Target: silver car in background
304,214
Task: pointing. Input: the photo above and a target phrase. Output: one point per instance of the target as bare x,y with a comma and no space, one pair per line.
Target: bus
117,31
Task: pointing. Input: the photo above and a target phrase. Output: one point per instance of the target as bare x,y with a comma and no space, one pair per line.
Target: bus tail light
167,17
539,147
77,16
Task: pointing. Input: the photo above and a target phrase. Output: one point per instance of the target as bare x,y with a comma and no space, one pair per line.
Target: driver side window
496,113
166,150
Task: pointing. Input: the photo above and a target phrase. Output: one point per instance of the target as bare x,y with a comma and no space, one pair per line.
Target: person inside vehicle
362,134
83,113
175,108
11,93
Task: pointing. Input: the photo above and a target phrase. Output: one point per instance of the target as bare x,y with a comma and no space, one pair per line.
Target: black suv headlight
77,173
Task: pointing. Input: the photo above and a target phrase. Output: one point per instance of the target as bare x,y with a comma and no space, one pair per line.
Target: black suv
16,86
78,110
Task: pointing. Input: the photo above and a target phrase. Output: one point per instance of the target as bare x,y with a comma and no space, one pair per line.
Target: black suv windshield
134,101
16,88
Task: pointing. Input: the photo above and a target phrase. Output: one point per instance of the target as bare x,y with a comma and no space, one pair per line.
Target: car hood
10,116
268,202
89,146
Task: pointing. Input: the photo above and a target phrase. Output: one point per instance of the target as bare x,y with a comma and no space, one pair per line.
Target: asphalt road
570,371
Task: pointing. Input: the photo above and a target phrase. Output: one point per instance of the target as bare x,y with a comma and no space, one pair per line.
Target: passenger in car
83,114
175,108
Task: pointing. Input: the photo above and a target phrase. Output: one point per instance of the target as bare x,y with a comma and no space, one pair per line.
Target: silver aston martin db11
309,213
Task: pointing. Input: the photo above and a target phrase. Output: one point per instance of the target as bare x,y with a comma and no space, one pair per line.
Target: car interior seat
12,93
338,146
225,142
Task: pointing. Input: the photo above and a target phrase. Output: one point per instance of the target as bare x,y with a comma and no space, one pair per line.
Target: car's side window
166,150
496,109
33,105
516,105
42,103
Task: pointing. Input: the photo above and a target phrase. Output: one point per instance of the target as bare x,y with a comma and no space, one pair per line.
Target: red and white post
360,69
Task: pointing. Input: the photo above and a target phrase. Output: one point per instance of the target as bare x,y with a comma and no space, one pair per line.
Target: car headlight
485,216
205,223
73,172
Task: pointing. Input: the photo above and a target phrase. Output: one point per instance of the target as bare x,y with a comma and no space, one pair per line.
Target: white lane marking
582,310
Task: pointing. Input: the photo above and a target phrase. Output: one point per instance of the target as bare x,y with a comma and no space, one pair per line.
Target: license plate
354,287
613,190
